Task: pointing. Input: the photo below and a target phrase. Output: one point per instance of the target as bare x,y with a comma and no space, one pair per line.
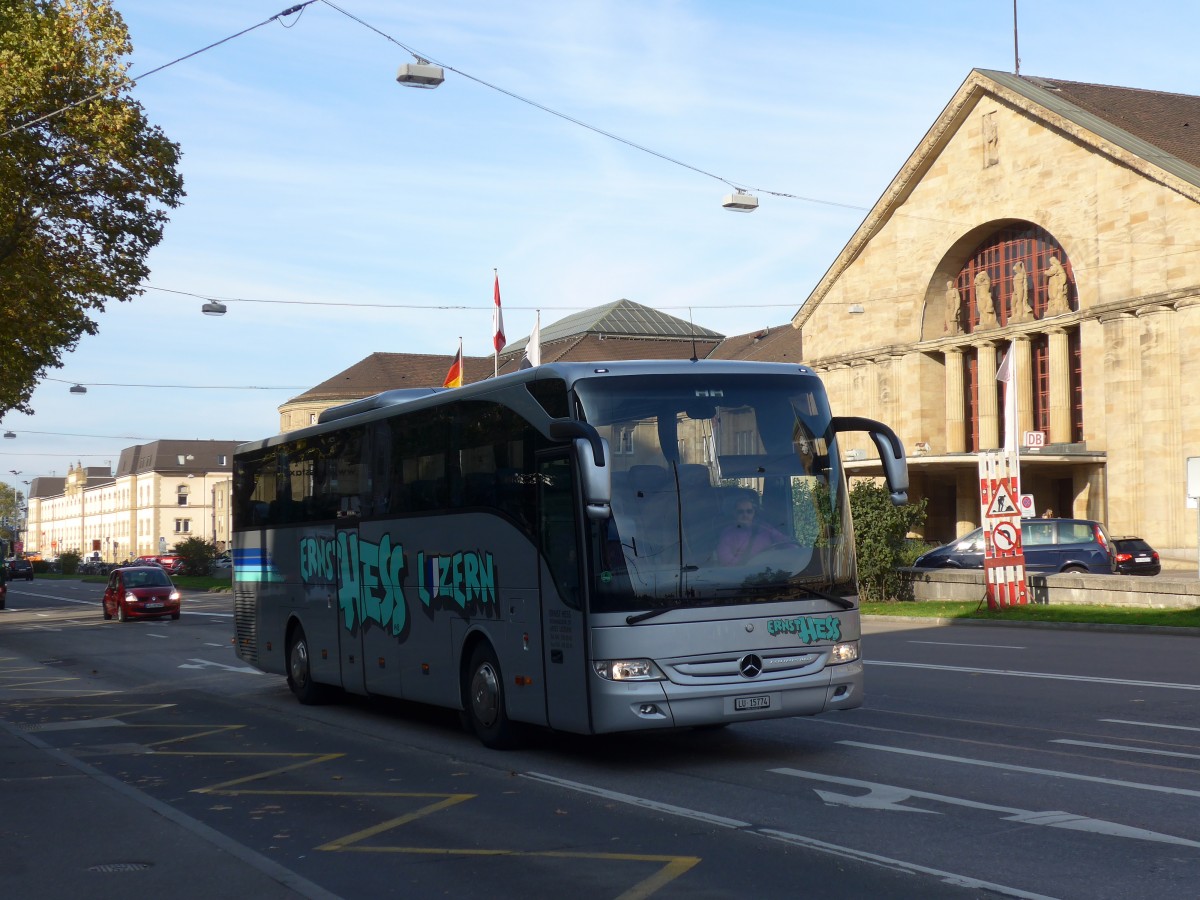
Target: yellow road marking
672,867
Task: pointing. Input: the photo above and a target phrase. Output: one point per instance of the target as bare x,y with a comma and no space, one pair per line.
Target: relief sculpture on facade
953,309
1056,289
983,299
1021,311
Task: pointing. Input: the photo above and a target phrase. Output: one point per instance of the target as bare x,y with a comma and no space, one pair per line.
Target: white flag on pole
1006,374
533,349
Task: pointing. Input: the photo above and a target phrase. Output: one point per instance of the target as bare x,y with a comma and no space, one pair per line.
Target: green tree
10,517
197,555
881,539
83,192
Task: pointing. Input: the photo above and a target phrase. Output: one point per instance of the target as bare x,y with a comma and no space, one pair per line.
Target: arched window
1015,253
181,494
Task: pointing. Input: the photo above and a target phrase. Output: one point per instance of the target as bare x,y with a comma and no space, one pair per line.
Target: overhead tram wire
129,82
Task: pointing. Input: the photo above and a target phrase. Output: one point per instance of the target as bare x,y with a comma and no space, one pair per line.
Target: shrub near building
197,555
881,541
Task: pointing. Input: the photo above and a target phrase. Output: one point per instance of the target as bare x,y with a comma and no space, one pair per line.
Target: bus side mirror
591,457
596,480
891,452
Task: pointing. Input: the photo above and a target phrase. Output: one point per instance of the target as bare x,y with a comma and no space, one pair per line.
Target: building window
222,459
183,526
1017,260
182,495
1025,244
624,441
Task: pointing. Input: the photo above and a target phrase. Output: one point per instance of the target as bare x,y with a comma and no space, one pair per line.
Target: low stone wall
1096,590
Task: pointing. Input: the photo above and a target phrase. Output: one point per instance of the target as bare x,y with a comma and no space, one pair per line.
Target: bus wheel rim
485,695
298,663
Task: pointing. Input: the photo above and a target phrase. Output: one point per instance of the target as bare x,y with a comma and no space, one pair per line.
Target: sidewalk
67,830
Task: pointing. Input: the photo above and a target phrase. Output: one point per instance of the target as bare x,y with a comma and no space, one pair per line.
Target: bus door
349,628
561,580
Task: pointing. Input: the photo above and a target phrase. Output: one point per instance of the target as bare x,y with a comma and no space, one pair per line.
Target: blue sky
313,178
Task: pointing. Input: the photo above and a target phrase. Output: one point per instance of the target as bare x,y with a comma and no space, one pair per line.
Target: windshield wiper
651,613
843,602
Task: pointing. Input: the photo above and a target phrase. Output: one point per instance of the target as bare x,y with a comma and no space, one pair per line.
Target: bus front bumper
638,706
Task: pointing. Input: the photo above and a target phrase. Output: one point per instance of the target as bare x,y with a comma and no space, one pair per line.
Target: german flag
454,376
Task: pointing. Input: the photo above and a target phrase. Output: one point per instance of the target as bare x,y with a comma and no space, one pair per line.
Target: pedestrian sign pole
1003,555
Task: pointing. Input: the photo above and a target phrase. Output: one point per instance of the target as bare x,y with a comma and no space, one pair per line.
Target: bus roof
383,405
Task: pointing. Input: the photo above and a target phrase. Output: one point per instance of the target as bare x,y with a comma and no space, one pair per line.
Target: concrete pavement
68,830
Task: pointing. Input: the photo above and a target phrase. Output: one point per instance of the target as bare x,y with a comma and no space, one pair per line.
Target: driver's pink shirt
739,543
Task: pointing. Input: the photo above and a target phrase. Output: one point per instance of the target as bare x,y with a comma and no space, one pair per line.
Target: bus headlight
628,669
845,652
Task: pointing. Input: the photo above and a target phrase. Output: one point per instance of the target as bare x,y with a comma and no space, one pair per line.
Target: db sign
1035,439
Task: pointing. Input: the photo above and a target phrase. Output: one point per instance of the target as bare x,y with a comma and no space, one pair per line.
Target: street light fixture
421,74
10,434
740,201
213,308
78,389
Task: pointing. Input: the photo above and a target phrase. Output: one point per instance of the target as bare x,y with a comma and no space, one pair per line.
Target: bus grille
726,667
245,626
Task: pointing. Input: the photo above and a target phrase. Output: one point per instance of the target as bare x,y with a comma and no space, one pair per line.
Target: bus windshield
726,489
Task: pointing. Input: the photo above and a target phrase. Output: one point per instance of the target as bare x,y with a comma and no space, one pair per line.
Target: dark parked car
20,568
1135,557
1050,545
135,592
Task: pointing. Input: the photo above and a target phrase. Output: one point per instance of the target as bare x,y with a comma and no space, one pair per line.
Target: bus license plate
763,702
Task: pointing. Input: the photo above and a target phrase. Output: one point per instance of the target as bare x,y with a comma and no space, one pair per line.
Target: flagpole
496,315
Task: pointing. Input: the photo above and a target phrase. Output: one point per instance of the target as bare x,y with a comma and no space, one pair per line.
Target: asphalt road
987,761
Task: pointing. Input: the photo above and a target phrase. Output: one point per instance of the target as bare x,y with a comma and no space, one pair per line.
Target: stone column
1187,313
989,418
956,433
1126,465
1060,388
966,500
1023,357
1159,404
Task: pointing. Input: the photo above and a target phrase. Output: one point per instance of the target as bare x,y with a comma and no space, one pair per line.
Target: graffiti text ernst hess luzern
808,628
371,578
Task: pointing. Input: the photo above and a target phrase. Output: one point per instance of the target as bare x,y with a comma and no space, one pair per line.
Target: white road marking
958,644
1151,724
1126,749
904,866
889,797
1029,770
638,801
207,663
787,837
1013,673
75,724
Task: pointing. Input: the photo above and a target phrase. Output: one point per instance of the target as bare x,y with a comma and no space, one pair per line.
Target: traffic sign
1002,502
1005,536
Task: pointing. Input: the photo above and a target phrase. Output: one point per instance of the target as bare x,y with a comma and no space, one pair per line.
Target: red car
137,592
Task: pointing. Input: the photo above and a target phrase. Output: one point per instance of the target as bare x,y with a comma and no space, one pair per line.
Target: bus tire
299,670
483,700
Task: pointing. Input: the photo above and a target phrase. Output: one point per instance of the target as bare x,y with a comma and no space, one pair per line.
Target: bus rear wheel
483,696
299,671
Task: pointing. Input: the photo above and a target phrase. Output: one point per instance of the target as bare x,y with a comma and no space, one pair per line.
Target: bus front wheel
483,696
299,670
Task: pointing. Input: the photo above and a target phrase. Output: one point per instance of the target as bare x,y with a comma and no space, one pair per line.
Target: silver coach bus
589,547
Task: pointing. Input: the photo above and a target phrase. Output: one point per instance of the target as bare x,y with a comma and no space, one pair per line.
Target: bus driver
744,538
